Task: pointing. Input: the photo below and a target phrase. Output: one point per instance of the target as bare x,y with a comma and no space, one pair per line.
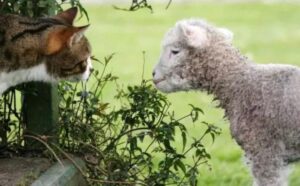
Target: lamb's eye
174,52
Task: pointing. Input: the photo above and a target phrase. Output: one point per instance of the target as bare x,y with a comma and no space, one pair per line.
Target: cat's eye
83,63
79,65
175,51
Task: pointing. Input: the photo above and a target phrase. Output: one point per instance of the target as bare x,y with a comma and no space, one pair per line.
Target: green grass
266,33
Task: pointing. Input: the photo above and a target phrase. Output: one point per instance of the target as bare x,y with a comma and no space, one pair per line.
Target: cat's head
67,51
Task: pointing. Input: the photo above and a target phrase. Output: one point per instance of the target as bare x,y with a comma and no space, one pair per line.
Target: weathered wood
21,170
67,175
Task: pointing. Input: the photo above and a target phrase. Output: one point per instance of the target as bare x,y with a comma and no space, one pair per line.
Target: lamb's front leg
265,151
268,169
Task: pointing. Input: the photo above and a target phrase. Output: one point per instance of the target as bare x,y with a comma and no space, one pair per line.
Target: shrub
131,143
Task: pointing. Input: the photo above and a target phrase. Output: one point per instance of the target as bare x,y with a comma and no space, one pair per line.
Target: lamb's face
172,73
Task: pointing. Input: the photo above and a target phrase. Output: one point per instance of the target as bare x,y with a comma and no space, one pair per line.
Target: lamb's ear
194,35
228,35
68,15
63,37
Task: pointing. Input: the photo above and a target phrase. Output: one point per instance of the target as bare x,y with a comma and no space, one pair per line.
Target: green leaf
181,165
184,140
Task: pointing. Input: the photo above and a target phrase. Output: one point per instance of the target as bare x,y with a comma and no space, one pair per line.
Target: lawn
263,32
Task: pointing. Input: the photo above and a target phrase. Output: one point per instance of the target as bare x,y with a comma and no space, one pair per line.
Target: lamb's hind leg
269,170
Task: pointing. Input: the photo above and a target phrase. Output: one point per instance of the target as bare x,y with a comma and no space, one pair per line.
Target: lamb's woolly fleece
262,102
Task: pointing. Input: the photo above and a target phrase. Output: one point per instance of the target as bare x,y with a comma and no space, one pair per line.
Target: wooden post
40,111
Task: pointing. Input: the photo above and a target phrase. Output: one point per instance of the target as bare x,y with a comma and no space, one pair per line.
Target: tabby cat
44,49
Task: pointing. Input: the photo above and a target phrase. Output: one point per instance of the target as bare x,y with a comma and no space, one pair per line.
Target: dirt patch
21,171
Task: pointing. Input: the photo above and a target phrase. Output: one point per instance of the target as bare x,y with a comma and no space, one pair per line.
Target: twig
48,147
169,3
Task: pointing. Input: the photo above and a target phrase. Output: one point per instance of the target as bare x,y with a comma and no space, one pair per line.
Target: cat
45,49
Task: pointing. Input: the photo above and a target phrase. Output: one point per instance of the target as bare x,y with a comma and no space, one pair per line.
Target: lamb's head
182,43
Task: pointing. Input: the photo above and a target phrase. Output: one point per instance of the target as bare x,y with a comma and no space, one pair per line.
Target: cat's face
43,49
67,50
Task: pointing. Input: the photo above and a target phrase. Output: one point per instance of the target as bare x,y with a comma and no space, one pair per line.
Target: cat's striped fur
43,49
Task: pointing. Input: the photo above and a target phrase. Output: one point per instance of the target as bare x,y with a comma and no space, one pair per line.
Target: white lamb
262,102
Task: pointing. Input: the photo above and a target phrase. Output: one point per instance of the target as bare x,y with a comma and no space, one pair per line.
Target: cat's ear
63,37
68,15
77,35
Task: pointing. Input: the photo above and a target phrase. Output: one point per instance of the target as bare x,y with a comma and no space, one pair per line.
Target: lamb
261,102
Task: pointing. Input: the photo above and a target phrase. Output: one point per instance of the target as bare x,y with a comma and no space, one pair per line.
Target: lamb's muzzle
157,81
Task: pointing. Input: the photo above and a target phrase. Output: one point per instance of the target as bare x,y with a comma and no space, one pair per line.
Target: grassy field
266,33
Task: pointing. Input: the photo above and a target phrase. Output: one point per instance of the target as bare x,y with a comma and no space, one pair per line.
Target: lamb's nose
153,73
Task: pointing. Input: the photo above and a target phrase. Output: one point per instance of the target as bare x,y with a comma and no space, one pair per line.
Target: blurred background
267,31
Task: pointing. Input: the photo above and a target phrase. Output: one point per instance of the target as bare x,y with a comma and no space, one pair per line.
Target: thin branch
48,147
169,3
